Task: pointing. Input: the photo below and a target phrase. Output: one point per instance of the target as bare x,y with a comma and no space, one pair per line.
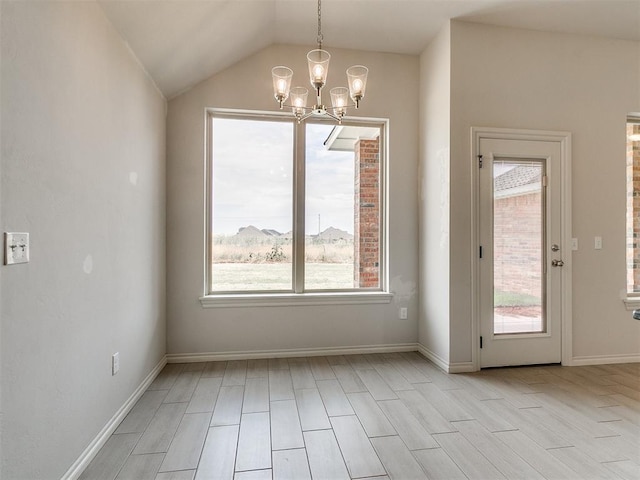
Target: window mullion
299,208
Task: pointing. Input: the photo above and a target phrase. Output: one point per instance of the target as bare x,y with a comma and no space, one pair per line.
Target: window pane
342,207
518,236
633,207
252,205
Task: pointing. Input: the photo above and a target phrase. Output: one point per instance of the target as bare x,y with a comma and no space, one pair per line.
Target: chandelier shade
281,83
357,78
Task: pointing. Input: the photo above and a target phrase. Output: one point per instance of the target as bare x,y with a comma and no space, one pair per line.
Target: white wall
392,93
83,134
434,201
503,77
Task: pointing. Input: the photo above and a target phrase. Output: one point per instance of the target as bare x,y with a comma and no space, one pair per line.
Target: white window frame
367,296
631,300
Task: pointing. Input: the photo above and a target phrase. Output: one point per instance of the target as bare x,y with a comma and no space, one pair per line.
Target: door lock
557,263
555,248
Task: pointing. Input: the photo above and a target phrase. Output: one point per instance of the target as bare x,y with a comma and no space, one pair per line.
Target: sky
253,178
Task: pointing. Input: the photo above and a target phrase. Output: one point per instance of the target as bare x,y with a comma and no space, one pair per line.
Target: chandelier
318,61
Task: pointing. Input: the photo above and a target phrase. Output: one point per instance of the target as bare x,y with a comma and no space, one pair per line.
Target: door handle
557,263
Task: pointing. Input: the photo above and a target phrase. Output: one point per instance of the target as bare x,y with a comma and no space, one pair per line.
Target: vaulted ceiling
182,42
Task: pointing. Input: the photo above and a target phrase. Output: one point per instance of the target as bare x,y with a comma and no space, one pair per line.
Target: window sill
295,299
631,303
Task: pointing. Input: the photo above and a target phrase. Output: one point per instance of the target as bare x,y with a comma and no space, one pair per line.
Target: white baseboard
296,352
98,442
458,367
604,359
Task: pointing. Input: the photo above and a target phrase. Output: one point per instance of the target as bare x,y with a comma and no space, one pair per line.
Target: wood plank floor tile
373,419
408,371
253,475
357,451
205,395
467,457
438,465
291,465
397,459
325,459
235,374
158,435
334,399
167,377
286,432
195,367
376,385
228,406
337,360
425,413
313,416
183,388
392,377
219,454
321,369
214,369
409,429
142,412
111,457
506,461
301,375
254,442
625,469
280,385
448,406
186,446
141,467
181,475
278,364
258,368
584,467
482,411
256,395
359,362
535,455
349,379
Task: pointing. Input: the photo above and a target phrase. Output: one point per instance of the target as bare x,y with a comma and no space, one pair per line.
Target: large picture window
294,208
633,206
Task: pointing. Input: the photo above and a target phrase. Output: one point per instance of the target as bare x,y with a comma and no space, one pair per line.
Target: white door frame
564,139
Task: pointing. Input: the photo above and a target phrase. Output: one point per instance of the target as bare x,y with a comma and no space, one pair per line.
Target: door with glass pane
520,252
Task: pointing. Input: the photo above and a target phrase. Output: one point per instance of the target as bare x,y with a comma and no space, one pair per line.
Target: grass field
231,277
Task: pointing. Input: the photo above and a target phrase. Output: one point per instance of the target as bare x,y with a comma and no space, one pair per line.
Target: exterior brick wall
633,210
517,243
367,214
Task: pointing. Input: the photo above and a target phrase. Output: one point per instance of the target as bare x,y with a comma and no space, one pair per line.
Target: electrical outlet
404,313
597,243
115,363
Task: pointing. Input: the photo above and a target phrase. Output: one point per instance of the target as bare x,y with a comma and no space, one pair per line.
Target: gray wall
435,194
83,135
392,93
514,78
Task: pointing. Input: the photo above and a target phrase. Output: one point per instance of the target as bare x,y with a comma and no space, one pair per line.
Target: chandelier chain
320,36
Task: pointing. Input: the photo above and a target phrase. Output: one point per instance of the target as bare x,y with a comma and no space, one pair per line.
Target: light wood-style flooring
382,416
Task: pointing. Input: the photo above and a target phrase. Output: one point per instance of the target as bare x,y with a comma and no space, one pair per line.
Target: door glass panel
518,247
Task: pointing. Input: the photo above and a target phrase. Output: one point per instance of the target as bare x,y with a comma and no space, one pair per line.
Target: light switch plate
16,248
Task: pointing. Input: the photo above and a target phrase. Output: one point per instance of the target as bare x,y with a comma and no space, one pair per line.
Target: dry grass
276,250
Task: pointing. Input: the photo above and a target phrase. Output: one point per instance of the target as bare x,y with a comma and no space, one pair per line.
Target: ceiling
182,42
